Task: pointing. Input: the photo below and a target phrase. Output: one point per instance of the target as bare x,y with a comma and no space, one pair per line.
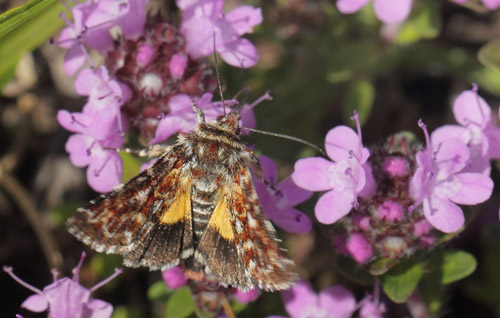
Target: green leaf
456,266
131,165
30,10
24,28
424,23
159,291
180,304
382,265
400,282
489,54
360,97
431,291
126,312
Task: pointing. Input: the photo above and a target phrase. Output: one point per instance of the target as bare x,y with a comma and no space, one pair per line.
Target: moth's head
229,123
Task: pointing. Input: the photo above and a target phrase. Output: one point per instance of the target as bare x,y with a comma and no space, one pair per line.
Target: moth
195,207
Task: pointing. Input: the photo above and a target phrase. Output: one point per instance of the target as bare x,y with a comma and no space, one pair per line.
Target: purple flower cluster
389,199
204,19
65,297
332,302
151,74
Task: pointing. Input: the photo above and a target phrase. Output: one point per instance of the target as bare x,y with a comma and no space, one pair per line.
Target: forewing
128,220
217,249
239,246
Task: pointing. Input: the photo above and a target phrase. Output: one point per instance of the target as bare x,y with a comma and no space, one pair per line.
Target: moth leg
154,151
151,152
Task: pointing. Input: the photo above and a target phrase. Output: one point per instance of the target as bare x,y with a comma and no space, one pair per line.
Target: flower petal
244,18
351,6
66,298
467,188
75,122
292,192
174,277
291,220
359,248
340,141
469,107
105,171
73,59
338,301
240,53
448,132
248,296
35,303
199,35
78,146
269,172
96,308
333,205
313,174
492,4
451,156
443,214
370,186
390,11
167,127
299,296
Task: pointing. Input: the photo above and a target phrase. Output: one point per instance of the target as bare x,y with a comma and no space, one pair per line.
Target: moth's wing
239,246
143,220
217,249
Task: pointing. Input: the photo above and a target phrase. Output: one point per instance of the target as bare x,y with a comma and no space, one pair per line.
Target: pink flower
388,11
174,277
178,64
97,128
348,176
439,183
371,309
332,302
181,117
91,24
248,296
202,20
278,199
359,248
65,297
476,130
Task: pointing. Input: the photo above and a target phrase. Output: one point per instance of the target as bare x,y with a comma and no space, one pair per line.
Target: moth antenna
307,143
197,111
218,78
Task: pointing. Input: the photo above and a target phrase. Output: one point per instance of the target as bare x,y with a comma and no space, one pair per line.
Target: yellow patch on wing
181,206
220,217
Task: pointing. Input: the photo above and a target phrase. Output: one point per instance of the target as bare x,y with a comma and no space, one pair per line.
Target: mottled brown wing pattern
127,220
239,246
217,249
255,237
